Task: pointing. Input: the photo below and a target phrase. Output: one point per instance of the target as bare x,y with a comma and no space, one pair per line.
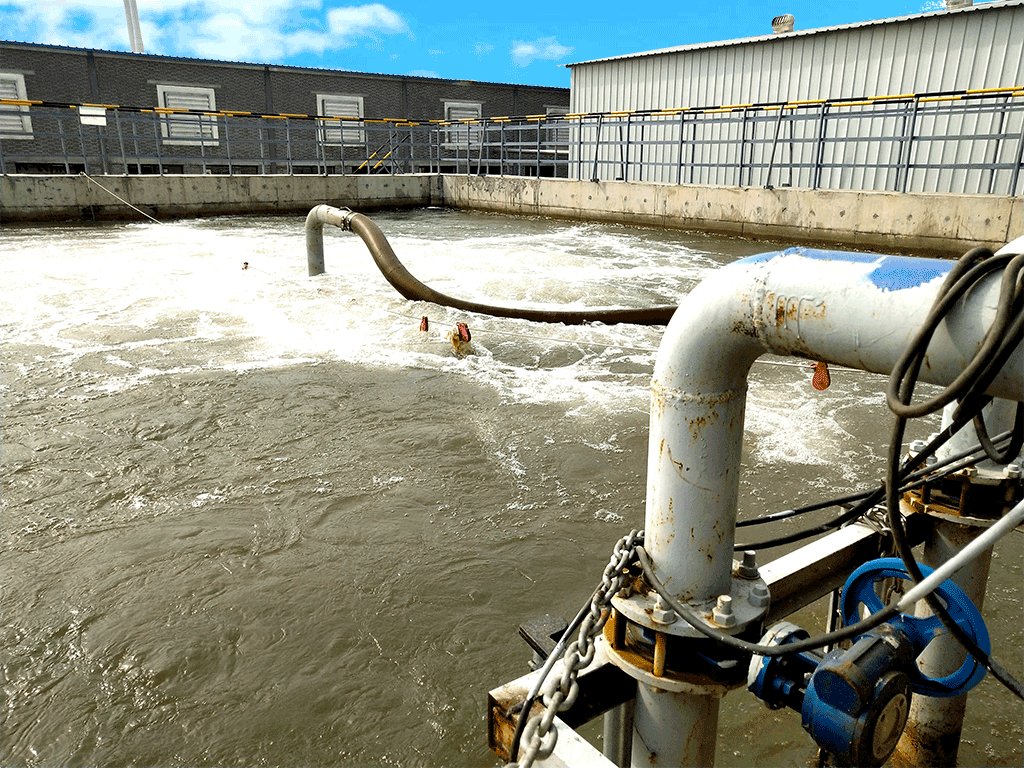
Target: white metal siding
978,48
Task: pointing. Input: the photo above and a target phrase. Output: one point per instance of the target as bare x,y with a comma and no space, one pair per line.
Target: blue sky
523,42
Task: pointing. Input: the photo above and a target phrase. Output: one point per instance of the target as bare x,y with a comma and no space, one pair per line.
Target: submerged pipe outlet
414,290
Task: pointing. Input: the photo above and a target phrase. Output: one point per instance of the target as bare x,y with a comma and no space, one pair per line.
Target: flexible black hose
411,288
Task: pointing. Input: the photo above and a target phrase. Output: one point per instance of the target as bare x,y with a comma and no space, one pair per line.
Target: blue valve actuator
855,702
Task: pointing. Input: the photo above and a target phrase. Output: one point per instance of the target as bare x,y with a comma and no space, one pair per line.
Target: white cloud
482,49
267,30
423,73
525,52
365,21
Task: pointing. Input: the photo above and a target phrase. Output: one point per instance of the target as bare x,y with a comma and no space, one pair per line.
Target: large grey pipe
411,288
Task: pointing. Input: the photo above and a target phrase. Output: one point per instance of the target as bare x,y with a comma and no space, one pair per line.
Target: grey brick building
141,83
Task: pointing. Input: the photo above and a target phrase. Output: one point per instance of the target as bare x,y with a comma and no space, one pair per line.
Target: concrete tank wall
56,198
881,221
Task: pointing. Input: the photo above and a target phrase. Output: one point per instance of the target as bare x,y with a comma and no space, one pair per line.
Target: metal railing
953,143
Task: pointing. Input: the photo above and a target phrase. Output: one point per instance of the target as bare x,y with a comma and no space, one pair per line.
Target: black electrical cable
909,481
1001,340
965,458
964,275
1013,449
953,463
849,516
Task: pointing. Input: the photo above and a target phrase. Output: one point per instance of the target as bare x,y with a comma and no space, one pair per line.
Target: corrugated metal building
956,49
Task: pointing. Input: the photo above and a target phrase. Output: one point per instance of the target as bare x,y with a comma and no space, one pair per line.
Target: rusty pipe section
854,310
414,290
849,309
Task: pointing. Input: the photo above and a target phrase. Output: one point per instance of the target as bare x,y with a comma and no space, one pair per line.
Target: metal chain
559,692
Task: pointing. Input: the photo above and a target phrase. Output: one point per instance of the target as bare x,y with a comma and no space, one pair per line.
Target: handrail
947,143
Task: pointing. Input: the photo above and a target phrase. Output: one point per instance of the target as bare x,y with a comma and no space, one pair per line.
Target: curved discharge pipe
411,288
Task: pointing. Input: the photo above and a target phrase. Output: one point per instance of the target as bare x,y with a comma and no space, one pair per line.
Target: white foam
154,300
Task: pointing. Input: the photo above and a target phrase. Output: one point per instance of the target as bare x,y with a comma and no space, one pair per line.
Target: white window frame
15,122
188,129
340,132
455,136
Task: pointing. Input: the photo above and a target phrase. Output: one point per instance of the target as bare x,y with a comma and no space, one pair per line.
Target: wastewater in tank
256,518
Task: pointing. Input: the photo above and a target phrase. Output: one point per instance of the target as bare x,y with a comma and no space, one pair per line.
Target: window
15,122
188,128
340,131
457,135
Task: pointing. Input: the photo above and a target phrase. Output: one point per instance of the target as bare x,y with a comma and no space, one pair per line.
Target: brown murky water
252,518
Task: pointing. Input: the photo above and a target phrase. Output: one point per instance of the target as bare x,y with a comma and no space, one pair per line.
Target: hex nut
722,614
760,596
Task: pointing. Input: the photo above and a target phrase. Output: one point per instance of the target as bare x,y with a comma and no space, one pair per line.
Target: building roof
800,32
221,62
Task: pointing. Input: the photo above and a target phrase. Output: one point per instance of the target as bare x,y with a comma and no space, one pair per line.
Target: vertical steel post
63,145
1017,163
775,144
618,734
819,154
227,144
907,147
156,142
932,734
682,141
81,143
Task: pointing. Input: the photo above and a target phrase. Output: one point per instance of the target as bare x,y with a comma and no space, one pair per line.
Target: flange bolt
662,613
723,615
748,568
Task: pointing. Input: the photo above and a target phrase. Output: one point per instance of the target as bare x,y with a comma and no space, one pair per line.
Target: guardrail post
156,143
625,148
1015,173
775,144
63,145
907,147
682,132
227,144
819,154
1001,116
81,143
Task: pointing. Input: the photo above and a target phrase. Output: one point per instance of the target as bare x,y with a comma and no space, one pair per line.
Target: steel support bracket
602,686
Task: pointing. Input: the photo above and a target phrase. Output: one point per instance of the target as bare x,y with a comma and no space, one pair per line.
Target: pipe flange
641,669
747,603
